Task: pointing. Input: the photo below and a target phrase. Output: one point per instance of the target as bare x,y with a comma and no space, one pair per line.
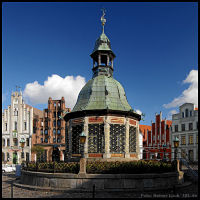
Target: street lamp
82,142
176,144
82,170
22,142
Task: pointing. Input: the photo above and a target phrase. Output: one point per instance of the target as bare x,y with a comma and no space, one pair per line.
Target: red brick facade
158,144
49,131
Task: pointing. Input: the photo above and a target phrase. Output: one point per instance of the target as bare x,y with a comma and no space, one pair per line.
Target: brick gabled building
49,131
158,143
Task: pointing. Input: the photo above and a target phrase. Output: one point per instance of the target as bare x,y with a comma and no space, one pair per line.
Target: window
58,114
27,142
6,126
176,128
8,142
183,127
25,126
54,114
58,123
190,139
3,156
4,142
41,140
182,114
27,157
54,123
190,113
54,140
8,156
46,132
186,112
58,131
15,142
15,125
46,123
34,129
54,131
58,140
190,126
46,140
22,154
41,132
183,140
15,112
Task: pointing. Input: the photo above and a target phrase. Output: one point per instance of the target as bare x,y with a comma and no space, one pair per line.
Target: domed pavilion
103,113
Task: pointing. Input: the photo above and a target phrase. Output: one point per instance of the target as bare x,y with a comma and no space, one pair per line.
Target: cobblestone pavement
7,178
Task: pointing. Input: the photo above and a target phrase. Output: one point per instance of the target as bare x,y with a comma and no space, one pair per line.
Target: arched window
186,112
4,142
8,142
8,156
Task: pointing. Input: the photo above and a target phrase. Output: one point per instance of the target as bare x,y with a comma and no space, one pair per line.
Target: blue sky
46,48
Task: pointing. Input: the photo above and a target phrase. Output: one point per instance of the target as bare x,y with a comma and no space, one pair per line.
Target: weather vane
103,20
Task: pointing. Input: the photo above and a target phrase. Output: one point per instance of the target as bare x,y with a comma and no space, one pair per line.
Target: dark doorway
56,154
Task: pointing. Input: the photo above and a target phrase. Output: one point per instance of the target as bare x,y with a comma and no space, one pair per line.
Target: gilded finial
103,20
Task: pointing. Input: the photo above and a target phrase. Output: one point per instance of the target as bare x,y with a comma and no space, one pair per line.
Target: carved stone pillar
86,133
137,141
108,60
107,139
127,154
99,59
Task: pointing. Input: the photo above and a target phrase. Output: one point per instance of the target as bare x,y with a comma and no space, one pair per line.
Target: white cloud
190,95
170,113
138,111
55,87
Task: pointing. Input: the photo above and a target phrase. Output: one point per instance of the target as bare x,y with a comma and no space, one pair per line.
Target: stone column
99,59
107,139
86,141
108,60
137,140
127,154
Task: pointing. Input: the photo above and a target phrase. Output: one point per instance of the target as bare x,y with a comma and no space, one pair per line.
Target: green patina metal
102,44
102,92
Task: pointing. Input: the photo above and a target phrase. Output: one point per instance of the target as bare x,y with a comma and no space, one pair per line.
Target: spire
103,20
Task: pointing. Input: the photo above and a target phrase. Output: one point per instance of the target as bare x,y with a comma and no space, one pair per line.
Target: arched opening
56,154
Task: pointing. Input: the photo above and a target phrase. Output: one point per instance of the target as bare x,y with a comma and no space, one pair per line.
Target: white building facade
185,127
17,125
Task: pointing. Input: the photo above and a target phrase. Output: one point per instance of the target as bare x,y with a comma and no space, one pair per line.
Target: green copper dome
102,92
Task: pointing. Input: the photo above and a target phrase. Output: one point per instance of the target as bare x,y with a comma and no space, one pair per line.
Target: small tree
38,150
